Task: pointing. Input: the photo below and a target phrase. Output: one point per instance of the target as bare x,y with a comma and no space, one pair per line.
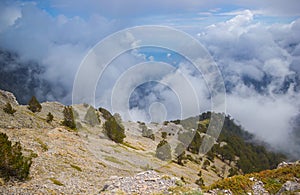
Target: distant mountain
25,79
251,155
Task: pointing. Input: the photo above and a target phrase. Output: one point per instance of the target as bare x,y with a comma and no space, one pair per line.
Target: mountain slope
84,160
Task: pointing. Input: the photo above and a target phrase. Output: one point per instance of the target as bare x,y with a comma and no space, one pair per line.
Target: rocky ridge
87,162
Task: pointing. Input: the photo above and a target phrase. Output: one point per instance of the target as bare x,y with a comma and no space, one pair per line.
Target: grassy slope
272,179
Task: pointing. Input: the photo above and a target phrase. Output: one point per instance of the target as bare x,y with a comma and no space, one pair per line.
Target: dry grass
272,179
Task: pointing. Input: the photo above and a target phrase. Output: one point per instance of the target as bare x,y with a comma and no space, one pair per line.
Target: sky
255,44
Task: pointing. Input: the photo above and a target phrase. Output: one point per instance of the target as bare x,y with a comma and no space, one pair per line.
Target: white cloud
241,46
8,16
135,8
57,43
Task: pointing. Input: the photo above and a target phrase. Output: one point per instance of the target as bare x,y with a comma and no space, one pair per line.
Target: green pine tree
114,130
12,162
69,120
49,118
34,105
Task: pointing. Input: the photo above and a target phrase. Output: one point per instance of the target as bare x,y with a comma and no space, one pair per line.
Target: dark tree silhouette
34,105
69,120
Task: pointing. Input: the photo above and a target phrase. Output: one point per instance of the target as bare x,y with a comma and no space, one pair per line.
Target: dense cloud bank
259,63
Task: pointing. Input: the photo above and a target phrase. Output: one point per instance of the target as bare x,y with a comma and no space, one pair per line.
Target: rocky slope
86,161
82,161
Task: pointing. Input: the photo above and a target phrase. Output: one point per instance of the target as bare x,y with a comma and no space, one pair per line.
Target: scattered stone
259,189
218,191
147,182
289,186
286,164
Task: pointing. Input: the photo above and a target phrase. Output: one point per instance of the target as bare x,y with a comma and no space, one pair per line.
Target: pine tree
114,130
180,152
12,162
49,117
195,144
34,105
69,120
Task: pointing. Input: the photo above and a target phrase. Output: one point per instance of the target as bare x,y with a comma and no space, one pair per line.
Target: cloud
8,15
135,8
259,62
57,43
258,65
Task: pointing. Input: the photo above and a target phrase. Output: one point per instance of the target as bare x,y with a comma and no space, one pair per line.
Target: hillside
86,161
281,180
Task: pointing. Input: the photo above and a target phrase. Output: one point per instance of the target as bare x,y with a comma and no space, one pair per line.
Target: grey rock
289,186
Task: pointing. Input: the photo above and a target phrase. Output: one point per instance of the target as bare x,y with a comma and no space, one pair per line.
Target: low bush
9,109
12,162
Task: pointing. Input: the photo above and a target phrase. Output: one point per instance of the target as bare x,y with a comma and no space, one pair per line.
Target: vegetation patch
69,120
12,162
113,159
253,157
9,109
49,118
130,146
272,179
102,164
114,130
42,144
34,105
183,190
76,167
56,182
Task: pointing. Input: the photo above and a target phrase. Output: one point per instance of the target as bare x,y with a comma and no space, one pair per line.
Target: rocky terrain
86,161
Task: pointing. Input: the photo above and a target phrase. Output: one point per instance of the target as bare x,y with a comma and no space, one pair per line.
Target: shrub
227,153
195,144
69,120
12,162
166,122
164,135
200,182
49,118
180,153
9,109
43,145
176,121
106,114
34,105
210,156
114,130
233,171
205,164
163,150
76,167
56,182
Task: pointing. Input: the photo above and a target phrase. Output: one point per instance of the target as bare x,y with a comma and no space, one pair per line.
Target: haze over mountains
257,52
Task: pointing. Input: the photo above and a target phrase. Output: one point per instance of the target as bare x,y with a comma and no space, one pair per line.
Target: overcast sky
255,44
